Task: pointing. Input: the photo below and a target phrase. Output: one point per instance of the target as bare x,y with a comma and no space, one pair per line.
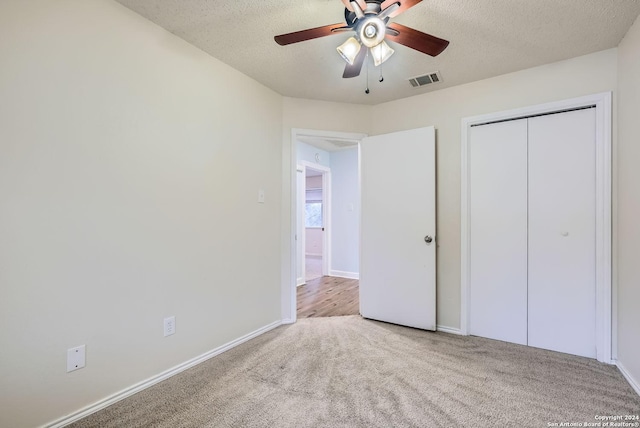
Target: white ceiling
488,38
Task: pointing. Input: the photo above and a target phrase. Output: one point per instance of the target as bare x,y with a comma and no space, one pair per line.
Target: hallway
328,297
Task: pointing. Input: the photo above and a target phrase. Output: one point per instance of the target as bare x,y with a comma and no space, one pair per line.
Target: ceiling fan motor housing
373,8
369,30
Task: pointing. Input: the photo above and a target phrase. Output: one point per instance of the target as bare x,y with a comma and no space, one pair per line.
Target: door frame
299,225
326,217
289,288
602,103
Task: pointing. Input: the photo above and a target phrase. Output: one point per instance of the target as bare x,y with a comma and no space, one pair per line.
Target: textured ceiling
488,38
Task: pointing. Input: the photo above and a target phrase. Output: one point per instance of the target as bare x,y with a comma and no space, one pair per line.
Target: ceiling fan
369,19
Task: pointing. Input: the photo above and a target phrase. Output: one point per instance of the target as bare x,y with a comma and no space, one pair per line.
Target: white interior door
498,231
397,265
562,223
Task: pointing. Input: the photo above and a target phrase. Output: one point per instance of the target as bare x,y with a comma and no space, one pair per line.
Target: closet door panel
498,231
561,242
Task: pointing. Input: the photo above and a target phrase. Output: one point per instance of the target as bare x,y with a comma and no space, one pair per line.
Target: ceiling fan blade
414,39
404,5
354,70
311,33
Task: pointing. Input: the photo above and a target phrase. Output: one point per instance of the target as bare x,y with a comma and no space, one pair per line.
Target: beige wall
130,164
316,115
629,202
444,109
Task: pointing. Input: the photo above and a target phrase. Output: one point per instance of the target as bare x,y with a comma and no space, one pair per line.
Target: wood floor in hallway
328,296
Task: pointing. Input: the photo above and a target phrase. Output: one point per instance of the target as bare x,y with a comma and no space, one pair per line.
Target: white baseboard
449,330
300,281
343,274
127,392
633,382
288,321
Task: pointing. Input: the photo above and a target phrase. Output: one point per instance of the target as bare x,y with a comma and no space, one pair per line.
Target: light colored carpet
350,372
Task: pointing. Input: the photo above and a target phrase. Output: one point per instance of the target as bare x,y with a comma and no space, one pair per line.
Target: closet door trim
602,103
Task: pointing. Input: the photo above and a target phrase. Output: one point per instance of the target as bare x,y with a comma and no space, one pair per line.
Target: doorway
400,277
326,213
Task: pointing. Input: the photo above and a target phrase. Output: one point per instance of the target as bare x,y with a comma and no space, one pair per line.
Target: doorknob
428,239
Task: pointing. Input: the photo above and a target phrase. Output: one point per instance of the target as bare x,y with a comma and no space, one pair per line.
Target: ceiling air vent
426,79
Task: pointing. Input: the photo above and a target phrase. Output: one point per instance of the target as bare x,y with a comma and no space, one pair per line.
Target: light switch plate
76,358
261,196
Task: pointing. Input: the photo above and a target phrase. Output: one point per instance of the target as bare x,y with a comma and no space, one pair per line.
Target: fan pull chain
366,91
381,79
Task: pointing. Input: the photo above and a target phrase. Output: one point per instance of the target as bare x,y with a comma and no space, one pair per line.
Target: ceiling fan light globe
349,50
381,53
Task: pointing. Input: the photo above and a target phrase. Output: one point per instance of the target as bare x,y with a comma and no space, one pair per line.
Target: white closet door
562,232
498,231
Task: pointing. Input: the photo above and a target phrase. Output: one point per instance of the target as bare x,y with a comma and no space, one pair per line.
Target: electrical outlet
169,326
76,358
